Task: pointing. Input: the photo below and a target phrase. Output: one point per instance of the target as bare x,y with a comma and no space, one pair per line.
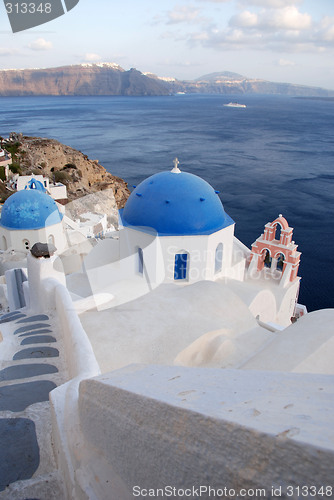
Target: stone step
41,487
25,381
26,371
17,397
19,451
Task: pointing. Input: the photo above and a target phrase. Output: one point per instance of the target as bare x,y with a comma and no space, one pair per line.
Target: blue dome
29,209
34,184
175,204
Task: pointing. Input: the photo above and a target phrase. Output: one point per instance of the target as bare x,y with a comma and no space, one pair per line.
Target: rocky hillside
89,79
111,79
67,165
227,82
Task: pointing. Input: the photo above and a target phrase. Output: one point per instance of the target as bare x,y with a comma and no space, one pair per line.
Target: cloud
4,51
273,4
284,29
244,19
272,25
177,63
286,62
326,30
40,44
182,15
91,57
288,18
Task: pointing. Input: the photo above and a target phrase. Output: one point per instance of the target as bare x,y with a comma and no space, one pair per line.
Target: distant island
111,79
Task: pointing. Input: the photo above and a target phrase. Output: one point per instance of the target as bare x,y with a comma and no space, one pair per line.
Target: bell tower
275,251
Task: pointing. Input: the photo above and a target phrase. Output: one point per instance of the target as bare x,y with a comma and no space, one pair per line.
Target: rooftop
175,203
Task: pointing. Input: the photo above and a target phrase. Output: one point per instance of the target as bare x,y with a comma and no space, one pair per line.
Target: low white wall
161,427
80,356
80,363
49,294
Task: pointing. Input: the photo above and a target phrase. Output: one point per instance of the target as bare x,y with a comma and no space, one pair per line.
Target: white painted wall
16,238
22,181
116,261
58,191
201,250
159,254
171,426
79,354
130,241
113,264
39,270
286,305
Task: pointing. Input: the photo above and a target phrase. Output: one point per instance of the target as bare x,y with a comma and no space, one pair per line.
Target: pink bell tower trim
275,248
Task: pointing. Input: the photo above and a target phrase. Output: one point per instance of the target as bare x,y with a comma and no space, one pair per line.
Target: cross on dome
176,169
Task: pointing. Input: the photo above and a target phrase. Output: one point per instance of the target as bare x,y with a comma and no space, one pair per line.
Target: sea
276,156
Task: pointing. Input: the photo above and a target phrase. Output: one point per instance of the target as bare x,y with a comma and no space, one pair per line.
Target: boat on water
235,105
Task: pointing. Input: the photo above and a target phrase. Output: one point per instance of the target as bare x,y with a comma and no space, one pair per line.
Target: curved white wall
15,239
171,426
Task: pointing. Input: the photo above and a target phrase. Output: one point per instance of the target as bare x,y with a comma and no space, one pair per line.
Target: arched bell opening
280,261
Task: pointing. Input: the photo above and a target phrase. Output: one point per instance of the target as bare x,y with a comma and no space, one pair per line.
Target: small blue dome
175,204
29,209
34,184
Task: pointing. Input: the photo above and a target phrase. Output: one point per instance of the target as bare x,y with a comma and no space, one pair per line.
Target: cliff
111,79
89,79
62,163
227,82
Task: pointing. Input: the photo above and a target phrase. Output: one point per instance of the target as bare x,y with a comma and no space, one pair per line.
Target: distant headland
60,163
111,79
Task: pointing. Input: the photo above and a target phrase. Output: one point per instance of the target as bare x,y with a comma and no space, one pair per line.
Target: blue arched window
219,258
181,266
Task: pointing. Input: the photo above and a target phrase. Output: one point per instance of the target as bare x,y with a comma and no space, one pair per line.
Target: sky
276,40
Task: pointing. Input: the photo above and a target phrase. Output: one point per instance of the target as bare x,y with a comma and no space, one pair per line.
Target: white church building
195,234
174,230
30,216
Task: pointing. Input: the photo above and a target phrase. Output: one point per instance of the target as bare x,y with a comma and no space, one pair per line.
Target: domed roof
34,184
175,203
29,209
